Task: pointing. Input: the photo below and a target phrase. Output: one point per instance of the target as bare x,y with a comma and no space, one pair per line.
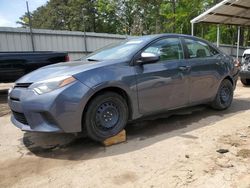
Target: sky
11,10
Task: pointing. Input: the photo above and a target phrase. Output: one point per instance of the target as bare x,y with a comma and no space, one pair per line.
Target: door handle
184,68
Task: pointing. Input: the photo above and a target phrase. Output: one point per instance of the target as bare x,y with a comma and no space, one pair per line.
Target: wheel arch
114,89
230,79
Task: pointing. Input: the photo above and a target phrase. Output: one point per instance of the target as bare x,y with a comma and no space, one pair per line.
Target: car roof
155,36
247,51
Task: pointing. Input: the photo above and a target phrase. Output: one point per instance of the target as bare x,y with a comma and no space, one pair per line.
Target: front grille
20,117
22,85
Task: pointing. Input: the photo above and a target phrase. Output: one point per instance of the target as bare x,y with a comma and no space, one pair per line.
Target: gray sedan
142,76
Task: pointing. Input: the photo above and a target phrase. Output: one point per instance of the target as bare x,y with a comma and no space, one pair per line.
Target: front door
164,84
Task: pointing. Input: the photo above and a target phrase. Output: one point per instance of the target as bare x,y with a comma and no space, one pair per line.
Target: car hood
61,69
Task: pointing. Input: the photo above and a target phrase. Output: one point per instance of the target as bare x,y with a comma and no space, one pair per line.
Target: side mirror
147,57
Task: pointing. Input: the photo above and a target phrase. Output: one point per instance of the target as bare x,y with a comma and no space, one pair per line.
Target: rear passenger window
213,51
167,49
199,49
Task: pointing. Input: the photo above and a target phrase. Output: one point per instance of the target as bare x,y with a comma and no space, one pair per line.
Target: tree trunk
174,11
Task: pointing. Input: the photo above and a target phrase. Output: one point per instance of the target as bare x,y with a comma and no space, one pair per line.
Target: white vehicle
245,68
246,52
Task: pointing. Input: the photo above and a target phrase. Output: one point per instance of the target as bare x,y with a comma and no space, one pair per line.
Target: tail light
66,58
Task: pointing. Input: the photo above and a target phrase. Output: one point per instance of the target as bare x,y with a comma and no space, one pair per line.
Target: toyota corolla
138,77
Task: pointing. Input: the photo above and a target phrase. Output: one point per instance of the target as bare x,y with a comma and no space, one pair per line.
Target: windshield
119,50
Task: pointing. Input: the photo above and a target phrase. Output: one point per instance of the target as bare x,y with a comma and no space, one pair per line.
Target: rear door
164,84
206,69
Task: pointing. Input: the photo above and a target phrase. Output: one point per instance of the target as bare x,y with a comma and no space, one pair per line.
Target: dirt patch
232,140
245,153
125,178
4,108
206,148
13,171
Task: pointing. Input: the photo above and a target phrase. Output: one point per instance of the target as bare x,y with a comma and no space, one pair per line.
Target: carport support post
192,29
238,43
218,35
84,30
30,26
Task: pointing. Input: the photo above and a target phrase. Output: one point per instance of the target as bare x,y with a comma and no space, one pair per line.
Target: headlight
51,84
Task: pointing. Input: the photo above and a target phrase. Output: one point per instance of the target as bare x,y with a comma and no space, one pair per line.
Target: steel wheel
224,96
245,82
106,116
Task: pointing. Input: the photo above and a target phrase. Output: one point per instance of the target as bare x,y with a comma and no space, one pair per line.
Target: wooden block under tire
119,138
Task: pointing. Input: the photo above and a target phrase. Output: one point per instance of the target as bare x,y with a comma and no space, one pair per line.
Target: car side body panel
161,86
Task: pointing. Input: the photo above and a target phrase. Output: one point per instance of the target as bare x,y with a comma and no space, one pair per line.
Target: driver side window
167,49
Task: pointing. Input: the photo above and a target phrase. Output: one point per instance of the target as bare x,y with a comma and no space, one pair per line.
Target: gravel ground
204,149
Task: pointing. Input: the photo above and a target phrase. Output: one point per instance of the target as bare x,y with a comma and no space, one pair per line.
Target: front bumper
57,111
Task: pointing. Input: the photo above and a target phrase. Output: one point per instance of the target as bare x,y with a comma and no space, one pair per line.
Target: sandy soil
4,109
180,151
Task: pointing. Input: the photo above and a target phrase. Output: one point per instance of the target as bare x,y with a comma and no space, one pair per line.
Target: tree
132,17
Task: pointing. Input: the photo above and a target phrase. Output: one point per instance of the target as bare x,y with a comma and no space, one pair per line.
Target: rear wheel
224,96
245,82
106,116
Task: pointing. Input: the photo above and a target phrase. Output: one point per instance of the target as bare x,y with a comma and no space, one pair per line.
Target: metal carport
228,12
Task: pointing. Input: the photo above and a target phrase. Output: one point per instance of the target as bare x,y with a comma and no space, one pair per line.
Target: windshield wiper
89,59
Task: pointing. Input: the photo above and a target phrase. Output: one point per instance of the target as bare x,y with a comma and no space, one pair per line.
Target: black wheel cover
224,96
106,116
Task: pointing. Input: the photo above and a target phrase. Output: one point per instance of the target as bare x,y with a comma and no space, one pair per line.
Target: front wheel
106,116
224,96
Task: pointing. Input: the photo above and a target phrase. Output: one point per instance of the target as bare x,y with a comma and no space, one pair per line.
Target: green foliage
132,17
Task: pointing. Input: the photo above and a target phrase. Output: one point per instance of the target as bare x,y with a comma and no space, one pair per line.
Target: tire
224,96
245,82
106,115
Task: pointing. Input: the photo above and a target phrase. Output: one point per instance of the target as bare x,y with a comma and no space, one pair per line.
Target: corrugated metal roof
230,12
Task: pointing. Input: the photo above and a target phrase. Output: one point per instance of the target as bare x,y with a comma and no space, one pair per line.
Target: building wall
19,39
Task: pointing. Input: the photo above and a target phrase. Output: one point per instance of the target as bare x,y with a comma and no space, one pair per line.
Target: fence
73,42
232,50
